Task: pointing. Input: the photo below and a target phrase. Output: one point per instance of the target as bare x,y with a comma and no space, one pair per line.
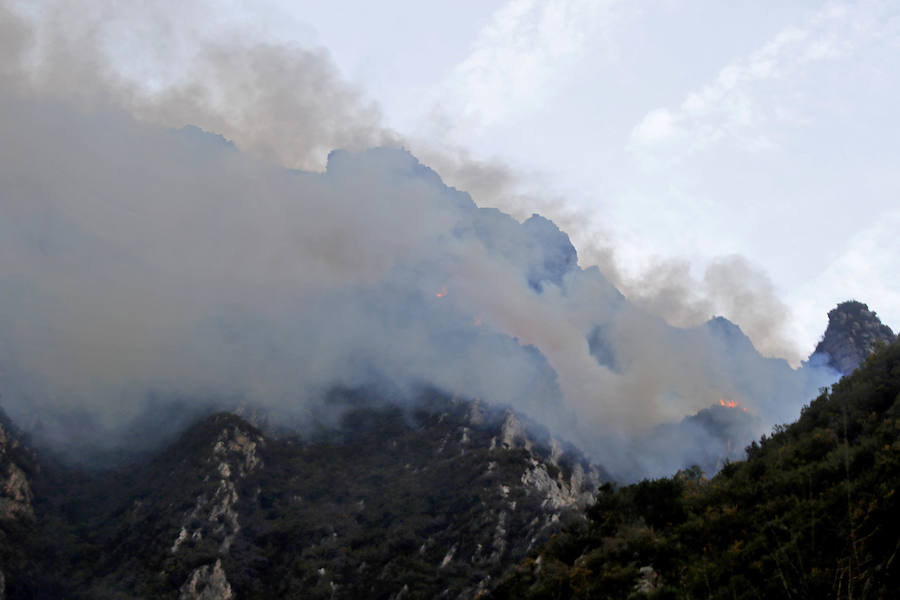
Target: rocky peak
853,330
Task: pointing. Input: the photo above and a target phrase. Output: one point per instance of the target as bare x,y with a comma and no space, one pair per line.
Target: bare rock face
649,581
207,583
15,490
18,464
853,330
214,514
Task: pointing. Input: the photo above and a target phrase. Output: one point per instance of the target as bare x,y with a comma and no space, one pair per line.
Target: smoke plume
154,244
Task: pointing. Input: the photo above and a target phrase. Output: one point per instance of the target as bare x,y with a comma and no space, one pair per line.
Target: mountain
389,502
810,513
720,432
751,394
169,264
853,330
436,496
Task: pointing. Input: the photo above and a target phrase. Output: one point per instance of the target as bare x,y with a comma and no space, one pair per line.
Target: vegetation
419,501
810,513
424,502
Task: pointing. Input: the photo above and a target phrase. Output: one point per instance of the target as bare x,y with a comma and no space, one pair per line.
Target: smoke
141,256
289,105
729,286
284,103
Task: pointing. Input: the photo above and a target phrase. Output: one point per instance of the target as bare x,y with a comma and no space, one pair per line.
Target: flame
731,404
441,293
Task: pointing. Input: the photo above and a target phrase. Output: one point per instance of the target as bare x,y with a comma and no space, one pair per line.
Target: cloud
657,126
859,264
749,96
517,58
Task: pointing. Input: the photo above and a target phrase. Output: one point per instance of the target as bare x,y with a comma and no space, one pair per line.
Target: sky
670,139
678,132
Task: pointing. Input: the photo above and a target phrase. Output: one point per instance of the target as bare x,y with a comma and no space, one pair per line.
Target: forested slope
812,512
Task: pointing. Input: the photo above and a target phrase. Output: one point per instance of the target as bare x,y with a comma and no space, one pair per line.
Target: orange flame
441,293
731,404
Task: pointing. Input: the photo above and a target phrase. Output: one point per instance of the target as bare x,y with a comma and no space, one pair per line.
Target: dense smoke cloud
290,105
729,286
280,102
137,258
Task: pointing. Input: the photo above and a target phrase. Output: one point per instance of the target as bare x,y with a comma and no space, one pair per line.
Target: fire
441,293
731,404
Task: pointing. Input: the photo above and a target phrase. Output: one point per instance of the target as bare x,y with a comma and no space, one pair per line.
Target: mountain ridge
435,502
434,497
809,513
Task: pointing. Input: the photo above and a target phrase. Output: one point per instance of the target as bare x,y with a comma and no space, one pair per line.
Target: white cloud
515,60
656,127
863,269
755,92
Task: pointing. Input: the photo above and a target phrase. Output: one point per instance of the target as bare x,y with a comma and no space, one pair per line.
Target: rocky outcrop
207,583
18,466
853,330
648,582
558,490
16,496
214,515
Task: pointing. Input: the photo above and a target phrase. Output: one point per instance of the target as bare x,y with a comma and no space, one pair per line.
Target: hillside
442,497
433,501
810,513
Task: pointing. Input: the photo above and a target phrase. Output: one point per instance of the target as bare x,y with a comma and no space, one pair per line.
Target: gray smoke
729,286
141,256
284,103
289,105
